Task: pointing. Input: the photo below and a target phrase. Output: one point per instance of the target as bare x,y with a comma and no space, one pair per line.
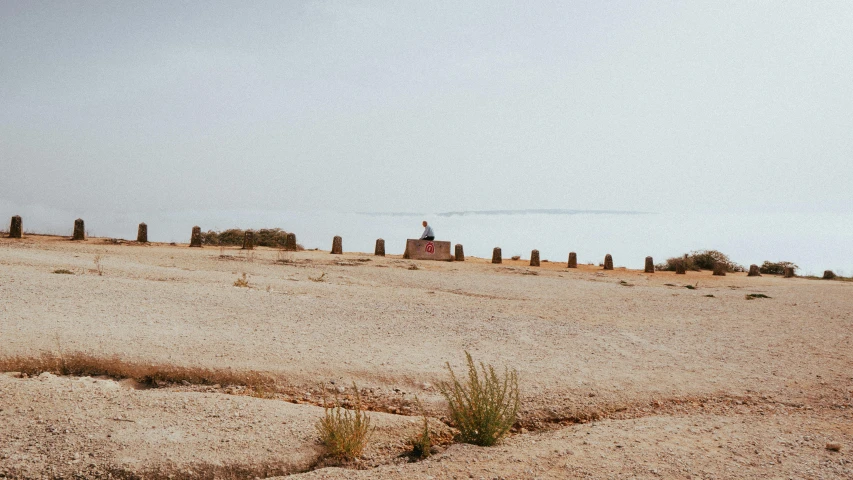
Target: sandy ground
687,382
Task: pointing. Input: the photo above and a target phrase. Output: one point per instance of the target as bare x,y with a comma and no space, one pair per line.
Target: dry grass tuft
344,432
242,281
63,271
483,409
84,364
422,442
321,278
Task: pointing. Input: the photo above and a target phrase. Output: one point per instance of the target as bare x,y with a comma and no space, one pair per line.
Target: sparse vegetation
85,364
482,409
63,271
98,268
344,432
243,281
776,268
690,287
321,278
422,442
413,267
700,260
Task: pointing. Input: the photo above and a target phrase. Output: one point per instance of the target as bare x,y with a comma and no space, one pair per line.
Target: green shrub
776,268
483,409
344,432
422,442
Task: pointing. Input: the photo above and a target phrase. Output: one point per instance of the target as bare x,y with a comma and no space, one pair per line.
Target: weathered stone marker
16,228
417,249
679,268
195,238
379,251
573,260
650,265
788,272
249,240
460,254
290,242
496,255
337,245
79,230
534,258
608,262
720,269
828,275
142,233
753,271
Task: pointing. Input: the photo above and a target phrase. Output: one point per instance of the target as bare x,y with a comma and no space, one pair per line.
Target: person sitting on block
428,233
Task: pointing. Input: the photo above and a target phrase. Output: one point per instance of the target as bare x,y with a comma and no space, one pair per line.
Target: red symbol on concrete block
430,247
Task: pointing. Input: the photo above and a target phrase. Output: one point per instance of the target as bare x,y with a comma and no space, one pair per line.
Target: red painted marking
430,247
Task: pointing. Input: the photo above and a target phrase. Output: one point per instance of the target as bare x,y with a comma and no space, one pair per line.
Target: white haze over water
815,242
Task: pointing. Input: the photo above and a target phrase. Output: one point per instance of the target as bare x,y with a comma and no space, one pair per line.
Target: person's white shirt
428,232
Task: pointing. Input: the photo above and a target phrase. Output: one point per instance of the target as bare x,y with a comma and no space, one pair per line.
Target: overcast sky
427,106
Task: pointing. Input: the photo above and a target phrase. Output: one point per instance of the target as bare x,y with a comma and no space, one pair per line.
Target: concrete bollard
534,258
753,271
337,246
608,262
496,255
679,268
142,233
79,230
16,227
195,238
249,240
828,275
379,251
290,242
720,269
573,260
460,254
788,272
650,265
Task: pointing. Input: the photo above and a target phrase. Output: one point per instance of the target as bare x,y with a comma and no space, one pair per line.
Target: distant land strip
543,211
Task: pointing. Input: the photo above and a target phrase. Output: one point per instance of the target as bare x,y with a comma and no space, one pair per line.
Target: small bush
700,260
776,268
483,409
265,237
753,296
344,432
321,278
64,271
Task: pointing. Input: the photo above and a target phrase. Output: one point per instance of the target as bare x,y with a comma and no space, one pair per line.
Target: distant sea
815,242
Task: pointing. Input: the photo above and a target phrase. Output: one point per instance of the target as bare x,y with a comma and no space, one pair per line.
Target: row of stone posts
16,230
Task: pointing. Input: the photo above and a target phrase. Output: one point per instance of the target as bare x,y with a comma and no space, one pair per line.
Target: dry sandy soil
623,374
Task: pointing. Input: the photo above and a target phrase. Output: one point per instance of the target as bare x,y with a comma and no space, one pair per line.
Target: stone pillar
290,242
608,262
788,272
79,230
460,254
753,271
142,233
195,238
650,265
720,269
679,268
16,228
534,258
337,246
496,255
379,251
573,260
249,240
828,275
